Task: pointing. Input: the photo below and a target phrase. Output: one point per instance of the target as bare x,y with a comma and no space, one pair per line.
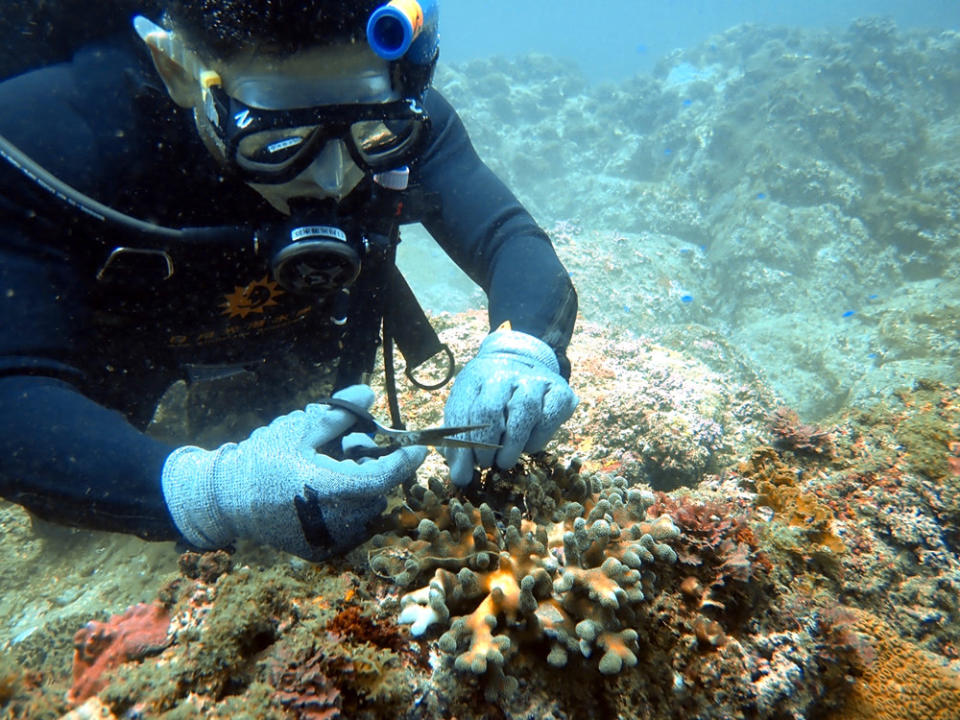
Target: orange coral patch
901,682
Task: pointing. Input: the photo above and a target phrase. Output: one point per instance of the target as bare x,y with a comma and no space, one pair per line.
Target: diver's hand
513,385
276,488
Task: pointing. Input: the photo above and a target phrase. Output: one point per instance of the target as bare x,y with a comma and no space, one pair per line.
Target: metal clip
451,366
126,260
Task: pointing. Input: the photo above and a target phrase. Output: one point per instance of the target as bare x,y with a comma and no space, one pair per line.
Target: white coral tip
418,617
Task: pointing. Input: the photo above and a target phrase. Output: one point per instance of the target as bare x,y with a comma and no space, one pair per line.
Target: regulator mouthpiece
315,258
404,28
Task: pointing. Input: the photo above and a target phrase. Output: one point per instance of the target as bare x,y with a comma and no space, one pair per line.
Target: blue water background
613,39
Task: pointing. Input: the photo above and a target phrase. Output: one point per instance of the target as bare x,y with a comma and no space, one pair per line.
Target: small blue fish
667,151
761,196
686,298
687,102
849,313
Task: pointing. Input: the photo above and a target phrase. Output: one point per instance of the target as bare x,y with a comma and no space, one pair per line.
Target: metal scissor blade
440,437
436,436
475,444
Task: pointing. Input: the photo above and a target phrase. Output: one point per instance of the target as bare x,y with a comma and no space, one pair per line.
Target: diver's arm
516,385
488,233
71,461
65,457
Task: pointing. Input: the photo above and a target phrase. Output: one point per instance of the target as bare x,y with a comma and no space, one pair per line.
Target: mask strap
182,71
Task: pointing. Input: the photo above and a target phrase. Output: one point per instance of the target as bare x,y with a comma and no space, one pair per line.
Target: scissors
435,436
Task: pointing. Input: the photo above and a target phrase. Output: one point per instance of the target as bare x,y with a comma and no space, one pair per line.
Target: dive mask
274,146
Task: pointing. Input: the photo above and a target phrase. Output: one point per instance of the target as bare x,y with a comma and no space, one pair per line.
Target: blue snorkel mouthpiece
405,28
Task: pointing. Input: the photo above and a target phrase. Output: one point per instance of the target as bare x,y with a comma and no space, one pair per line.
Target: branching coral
575,579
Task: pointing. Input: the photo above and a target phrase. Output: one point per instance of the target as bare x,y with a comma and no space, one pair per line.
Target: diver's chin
280,196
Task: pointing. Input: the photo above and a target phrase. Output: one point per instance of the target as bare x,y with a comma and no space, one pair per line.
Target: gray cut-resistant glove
275,487
513,385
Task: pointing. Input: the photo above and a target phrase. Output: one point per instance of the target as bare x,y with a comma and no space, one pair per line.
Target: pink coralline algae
301,685
791,434
102,646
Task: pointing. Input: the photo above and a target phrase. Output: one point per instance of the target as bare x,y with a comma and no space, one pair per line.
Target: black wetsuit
83,361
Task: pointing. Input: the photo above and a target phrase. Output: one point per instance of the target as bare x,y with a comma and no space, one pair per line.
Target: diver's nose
331,170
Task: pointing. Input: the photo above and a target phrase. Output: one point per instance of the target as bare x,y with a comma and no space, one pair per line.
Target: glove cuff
190,489
514,342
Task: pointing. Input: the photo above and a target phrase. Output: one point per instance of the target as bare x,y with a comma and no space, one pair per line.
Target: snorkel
405,28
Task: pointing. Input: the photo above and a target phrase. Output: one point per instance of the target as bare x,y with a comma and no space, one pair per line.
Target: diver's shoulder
87,120
445,122
106,63
437,106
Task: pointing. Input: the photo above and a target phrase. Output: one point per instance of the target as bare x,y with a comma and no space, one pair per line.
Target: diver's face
331,76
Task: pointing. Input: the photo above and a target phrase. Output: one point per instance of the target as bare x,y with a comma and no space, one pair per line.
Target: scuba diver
219,189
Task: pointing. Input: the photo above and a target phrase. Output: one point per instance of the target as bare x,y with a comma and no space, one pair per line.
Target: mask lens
273,146
382,142
273,149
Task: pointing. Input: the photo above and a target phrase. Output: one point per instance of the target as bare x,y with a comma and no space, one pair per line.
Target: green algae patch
929,429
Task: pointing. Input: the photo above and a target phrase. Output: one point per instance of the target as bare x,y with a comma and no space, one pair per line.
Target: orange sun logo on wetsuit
251,298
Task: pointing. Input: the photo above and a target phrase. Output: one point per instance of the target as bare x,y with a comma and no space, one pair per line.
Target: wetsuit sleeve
71,461
487,232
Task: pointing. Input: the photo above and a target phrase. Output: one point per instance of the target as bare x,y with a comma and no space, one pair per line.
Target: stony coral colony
761,591
573,577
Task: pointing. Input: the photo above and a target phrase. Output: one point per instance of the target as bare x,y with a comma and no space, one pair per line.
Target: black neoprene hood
224,27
